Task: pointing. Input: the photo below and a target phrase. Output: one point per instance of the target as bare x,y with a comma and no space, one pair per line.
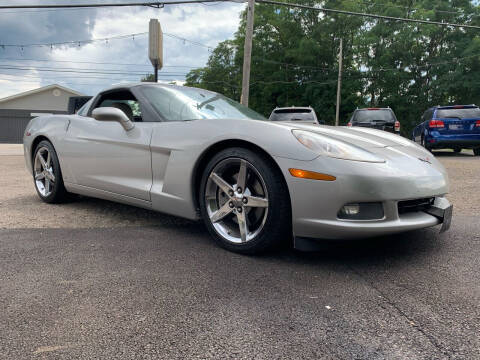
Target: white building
17,110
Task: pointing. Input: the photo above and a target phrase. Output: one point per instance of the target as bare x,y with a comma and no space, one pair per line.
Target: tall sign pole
247,53
339,85
155,46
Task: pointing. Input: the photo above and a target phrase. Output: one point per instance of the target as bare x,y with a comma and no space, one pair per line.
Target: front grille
407,206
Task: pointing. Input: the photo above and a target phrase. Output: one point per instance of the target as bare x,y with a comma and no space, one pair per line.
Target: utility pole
247,53
339,85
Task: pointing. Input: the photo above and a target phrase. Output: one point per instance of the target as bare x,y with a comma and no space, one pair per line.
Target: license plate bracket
443,210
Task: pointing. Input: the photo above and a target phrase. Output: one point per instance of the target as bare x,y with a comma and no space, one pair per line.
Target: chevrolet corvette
197,154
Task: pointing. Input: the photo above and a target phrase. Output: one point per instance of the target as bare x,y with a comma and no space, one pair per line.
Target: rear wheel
47,175
244,201
457,150
424,143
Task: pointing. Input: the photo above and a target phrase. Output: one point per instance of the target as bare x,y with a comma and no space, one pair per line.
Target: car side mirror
113,114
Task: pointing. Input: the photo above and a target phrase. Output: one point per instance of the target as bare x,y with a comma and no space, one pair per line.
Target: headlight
327,146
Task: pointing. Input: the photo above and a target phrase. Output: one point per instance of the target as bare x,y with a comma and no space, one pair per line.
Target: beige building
17,110
48,98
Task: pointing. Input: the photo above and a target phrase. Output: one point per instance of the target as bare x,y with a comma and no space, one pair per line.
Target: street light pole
247,53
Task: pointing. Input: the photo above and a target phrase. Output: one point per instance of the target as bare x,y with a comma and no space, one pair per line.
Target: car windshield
292,114
372,115
458,113
184,103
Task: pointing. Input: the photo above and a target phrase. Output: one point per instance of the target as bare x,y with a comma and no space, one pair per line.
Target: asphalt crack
403,314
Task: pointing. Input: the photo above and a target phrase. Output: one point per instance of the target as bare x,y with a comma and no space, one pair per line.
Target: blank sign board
155,45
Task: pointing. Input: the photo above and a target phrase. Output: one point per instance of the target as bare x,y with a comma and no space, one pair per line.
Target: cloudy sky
30,67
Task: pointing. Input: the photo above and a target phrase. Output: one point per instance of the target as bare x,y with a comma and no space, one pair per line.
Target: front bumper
315,204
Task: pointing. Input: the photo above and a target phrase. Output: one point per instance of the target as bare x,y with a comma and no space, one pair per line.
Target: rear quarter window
292,114
371,115
458,113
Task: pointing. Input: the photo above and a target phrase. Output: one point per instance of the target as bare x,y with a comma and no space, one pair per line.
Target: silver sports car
198,154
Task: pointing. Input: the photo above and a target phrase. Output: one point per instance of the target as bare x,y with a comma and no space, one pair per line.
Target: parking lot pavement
169,292
94,279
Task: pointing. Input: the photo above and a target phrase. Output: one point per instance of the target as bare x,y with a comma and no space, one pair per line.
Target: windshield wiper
203,103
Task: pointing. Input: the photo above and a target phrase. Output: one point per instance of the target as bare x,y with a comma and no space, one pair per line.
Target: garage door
13,123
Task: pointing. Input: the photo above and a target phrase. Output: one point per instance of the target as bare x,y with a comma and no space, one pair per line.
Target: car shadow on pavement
405,247
445,153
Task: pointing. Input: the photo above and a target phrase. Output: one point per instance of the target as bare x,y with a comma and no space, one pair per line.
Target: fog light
361,211
351,209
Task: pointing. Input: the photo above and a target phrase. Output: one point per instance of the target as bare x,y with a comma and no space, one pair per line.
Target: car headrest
125,108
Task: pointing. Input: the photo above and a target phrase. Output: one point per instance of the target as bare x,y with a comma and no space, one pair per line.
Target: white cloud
205,24
11,85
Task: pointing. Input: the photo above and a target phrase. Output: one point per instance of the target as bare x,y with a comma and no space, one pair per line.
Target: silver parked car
197,154
295,113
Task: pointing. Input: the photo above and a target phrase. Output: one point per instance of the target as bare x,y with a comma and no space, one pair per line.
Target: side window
123,100
352,119
84,109
429,115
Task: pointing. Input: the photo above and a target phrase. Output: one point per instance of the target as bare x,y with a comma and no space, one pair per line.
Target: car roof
146,83
375,108
294,107
446,107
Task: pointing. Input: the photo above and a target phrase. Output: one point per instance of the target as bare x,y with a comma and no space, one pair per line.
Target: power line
94,62
71,77
106,39
81,71
187,40
416,9
155,4
75,42
23,11
375,16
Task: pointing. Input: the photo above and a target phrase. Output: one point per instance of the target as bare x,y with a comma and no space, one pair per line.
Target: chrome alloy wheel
236,200
43,172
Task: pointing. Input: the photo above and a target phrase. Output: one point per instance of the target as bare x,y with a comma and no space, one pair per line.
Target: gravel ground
20,206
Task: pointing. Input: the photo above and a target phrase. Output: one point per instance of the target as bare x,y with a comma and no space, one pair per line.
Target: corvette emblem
427,160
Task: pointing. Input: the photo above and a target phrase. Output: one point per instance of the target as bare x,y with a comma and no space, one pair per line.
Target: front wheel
457,150
244,201
47,175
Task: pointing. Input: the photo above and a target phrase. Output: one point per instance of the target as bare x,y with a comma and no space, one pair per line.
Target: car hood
398,152
362,137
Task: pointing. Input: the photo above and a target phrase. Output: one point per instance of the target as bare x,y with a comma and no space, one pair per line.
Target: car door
102,155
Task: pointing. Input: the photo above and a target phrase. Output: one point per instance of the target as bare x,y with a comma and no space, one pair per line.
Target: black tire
57,193
424,144
277,220
457,150
476,152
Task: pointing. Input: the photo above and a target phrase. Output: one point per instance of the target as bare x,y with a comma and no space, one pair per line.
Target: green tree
406,66
148,78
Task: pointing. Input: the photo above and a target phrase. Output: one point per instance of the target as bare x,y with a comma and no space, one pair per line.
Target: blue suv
454,127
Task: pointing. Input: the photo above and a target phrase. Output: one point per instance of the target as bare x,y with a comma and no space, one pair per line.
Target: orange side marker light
305,174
